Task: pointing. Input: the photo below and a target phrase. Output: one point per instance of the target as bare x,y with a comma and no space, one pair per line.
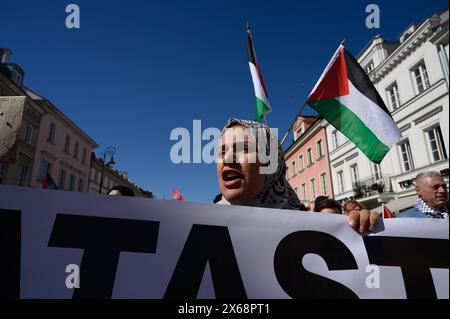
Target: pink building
62,149
308,165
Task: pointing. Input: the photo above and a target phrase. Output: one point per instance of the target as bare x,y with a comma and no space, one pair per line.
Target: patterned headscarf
276,193
424,208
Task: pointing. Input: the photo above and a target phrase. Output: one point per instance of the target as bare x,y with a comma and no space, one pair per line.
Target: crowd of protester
240,183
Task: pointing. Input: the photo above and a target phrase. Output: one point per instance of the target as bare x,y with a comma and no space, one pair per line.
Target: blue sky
135,70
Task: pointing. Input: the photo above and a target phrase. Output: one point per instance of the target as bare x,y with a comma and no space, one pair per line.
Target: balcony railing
375,184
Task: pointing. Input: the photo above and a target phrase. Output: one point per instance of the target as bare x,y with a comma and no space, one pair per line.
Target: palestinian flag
262,101
177,195
347,99
387,213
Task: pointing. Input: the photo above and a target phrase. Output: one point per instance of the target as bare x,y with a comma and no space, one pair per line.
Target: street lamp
109,151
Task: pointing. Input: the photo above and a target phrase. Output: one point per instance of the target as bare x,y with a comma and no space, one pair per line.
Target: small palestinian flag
347,99
262,100
387,213
176,195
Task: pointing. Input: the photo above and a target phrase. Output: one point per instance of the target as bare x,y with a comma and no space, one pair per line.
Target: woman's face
238,166
352,206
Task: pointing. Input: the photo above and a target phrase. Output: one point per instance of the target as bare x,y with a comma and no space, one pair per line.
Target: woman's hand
363,220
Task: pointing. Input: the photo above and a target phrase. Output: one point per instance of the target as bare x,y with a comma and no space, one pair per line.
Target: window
377,171
51,133
406,156
323,180
304,191
294,169
72,183
436,144
319,149
393,96
16,77
21,175
75,150
67,144
313,189
43,170
3,172
296,191
369,67
309,155
421,77
298,132
354,173
62,179
80,185
335,139
29,135
341,185
83,156
300,163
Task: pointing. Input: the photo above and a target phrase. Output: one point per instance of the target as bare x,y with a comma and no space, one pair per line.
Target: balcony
373,185
370,191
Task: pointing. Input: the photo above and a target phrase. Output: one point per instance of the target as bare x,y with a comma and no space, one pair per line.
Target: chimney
5,53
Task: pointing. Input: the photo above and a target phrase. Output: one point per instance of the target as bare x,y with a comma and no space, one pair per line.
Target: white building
412,77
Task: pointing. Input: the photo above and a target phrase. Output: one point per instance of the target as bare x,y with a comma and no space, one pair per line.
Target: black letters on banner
10,225
296,281
102,240
207,243
415,256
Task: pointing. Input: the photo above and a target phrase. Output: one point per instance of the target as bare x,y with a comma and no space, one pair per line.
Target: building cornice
305,137
17,90
420,35
49,155
111,172
417,97
52,109
369,47
72,168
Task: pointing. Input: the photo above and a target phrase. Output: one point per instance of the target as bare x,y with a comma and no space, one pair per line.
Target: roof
318,119
46,104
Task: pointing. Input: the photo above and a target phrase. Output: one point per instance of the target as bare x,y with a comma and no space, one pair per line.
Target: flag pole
295,120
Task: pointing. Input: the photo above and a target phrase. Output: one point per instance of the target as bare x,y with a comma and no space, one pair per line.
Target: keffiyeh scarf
423,207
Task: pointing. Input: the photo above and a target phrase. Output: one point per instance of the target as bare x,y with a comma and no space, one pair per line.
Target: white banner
56,244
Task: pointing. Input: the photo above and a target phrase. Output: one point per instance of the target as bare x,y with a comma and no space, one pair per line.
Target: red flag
177,196
48,182
45,183
387,213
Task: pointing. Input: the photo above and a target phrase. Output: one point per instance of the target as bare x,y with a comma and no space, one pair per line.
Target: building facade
20,119
411,75
308,166
37,140
103,174
63,150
